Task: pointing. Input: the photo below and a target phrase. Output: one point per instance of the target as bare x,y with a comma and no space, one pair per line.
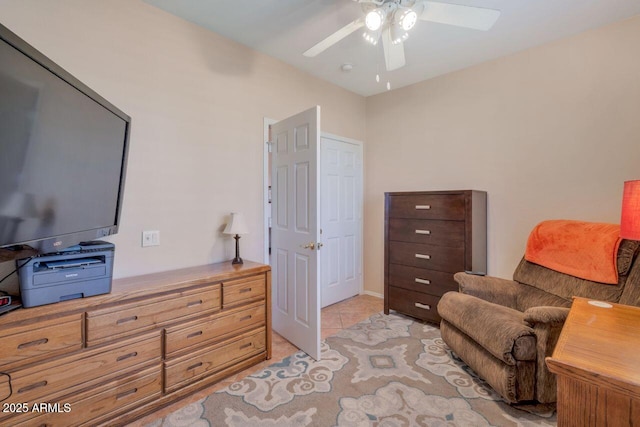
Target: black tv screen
63,151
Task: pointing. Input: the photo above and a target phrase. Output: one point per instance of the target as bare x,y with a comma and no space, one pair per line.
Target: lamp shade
630,220
236,225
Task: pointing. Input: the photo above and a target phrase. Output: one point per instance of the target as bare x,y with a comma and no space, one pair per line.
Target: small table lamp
237,226
630,220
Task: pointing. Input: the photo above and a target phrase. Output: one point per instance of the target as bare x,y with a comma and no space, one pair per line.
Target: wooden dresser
597,362
429,236
154,339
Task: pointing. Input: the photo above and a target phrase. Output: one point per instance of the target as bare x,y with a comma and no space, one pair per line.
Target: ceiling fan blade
477,18
334,38
393,53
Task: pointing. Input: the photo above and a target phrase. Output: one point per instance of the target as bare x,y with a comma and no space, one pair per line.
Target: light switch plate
150,238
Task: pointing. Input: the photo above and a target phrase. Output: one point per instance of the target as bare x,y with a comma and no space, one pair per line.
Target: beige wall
551,132
197,101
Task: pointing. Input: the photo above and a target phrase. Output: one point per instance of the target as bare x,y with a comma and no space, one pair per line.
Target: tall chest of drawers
430,236
112,358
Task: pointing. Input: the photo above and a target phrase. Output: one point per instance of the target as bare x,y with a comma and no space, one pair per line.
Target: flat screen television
63,153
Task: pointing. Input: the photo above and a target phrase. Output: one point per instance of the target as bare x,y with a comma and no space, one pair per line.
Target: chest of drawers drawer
421,280
213,328
432,232
417,304
41,340
441,258
239,291
191,367
427,206
50,378
108,323
90,407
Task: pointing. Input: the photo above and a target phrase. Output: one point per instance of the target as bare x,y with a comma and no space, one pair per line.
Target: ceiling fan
392,20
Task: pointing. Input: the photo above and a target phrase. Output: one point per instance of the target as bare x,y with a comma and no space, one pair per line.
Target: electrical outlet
150,238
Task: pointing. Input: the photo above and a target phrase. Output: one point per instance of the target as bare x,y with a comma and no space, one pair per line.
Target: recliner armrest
549,315
492,289
547,323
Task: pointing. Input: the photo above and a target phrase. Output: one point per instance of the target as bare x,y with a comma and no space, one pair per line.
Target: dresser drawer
137,316
427,206
421,280
192,367
113,398
71,373
416,304
217,327
239,291
441,258
5,385
41,340
432,232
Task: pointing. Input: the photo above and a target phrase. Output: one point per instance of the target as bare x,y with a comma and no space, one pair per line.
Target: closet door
341,218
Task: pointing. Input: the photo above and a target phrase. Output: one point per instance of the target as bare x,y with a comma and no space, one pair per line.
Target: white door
295,230
341,219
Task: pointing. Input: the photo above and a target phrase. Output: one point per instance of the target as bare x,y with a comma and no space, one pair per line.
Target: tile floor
334,318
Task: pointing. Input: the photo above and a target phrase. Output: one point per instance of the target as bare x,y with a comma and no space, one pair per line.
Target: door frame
266,214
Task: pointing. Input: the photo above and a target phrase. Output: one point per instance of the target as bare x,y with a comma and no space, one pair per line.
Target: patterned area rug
385,371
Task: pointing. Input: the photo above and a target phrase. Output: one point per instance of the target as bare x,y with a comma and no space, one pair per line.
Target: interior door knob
311,246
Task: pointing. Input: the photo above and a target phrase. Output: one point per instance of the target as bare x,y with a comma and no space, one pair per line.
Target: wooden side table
597,361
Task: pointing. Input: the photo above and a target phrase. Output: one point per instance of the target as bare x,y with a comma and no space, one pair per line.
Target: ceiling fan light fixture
372,36
398,33
408,19
374,19
401,39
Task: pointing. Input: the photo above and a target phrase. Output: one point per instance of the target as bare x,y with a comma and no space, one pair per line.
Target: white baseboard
373,294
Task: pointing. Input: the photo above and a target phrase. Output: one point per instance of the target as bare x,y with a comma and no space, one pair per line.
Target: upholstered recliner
504,329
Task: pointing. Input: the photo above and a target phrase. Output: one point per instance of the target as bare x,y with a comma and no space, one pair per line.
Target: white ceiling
284,29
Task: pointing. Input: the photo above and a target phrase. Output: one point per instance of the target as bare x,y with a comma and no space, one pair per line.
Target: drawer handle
194,303
127,356
242,291
423,207
423,256
32,386
194,334
194,366
423,306
242,319
32,343
126,393
127,320
423,281
423,231
243,346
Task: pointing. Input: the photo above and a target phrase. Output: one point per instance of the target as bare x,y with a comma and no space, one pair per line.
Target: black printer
76,272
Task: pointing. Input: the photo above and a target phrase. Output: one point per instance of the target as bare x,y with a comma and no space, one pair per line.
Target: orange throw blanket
587,250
